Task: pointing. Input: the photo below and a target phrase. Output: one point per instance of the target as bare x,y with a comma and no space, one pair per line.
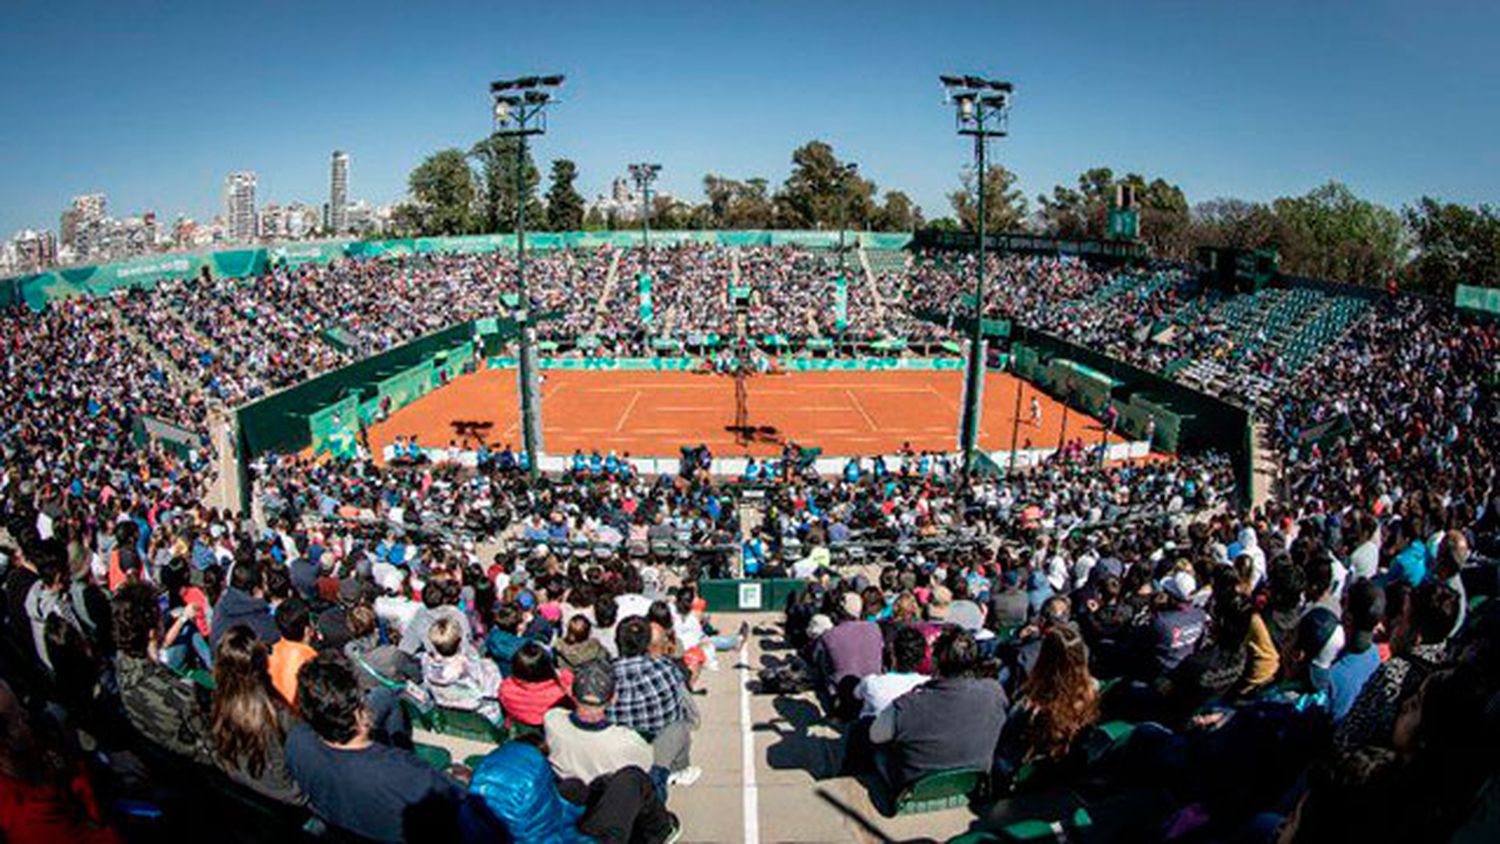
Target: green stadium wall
1188,420
281,422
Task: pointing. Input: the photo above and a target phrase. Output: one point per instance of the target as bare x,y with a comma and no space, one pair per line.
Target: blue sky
155,102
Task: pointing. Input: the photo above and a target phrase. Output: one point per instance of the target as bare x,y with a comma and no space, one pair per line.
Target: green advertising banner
1485,299
643,289
297,254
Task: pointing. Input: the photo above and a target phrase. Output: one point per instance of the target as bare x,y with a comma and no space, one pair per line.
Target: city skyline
1252,103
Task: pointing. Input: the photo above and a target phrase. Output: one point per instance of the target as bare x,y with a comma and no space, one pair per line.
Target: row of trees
1328,232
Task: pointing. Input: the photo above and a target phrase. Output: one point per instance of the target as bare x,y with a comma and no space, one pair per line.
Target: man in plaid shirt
651,697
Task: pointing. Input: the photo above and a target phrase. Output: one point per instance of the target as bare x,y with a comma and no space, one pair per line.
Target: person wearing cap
1175,628
333,627
584,744
1319,640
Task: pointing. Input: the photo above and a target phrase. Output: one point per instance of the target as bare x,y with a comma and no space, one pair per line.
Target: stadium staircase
601,308
178,379
869,275
190,328
1265,466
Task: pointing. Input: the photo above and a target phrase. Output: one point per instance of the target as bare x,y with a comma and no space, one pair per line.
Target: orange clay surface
653,414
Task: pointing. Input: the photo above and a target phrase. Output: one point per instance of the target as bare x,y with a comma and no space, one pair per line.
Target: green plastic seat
940,790
463,723
1107,738
517,730
202,677
424,718
472,762
1036,829
436,757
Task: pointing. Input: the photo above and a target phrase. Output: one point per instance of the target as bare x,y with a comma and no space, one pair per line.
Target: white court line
751,797
620,426
861,408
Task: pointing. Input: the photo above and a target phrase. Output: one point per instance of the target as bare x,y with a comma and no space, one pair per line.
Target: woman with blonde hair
249,721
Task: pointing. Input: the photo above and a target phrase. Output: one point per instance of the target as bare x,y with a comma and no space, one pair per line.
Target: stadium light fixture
518,109
981,111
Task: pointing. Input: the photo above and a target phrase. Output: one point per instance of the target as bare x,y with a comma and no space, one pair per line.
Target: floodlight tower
643,175
981,111
520,112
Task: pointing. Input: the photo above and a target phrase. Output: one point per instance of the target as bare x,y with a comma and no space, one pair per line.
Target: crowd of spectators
1326,663
1235,678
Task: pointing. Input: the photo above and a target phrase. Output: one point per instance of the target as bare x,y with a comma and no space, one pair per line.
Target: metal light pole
519,112
982,109
644,175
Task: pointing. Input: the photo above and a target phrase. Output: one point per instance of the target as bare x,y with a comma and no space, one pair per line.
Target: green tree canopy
1083,210
496,158
442,187
564,204
897,214
822,193
733,204
1004,204
1456,245
1331,233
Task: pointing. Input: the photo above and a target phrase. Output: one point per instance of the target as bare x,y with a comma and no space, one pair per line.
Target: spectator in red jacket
534,686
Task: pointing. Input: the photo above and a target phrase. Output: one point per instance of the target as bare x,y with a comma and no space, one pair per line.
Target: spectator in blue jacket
516,790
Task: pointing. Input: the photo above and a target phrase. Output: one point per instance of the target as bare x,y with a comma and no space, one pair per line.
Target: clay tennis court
655,413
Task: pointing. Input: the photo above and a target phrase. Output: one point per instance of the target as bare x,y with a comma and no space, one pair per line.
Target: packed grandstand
416,648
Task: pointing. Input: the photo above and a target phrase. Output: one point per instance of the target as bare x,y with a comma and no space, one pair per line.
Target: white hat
387,577
1180,585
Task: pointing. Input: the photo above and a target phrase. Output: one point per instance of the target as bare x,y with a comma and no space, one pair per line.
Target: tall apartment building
338,193
33,250
84,227
239,206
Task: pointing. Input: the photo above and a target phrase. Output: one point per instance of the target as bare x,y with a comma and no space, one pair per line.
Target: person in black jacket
244,602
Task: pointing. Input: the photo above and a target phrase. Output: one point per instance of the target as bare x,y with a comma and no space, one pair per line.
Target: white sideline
751,805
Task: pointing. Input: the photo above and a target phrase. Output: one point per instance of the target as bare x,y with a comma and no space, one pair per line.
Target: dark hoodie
235,608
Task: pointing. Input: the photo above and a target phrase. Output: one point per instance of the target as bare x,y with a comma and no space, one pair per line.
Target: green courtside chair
941,790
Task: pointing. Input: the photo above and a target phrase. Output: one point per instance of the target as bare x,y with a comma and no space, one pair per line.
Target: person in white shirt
582,744
878,691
